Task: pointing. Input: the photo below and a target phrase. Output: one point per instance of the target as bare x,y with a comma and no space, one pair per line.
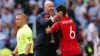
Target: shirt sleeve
54,27
28,38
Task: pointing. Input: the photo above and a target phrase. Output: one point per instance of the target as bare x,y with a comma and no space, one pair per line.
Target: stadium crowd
85,13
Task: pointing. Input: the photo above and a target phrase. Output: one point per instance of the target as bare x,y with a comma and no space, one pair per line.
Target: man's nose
52,8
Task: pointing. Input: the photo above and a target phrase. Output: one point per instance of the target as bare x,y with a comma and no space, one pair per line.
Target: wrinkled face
49,8
18,20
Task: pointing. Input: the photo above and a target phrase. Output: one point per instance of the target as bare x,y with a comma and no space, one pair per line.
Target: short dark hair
62,8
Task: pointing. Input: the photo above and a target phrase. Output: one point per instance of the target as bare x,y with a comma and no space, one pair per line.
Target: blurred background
85,13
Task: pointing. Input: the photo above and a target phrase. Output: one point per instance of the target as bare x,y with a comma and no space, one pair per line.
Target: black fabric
42,38
42,45
49,50
30,54
79,55
45,52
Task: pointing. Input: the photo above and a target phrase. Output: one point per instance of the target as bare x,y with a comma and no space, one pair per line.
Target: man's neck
22,25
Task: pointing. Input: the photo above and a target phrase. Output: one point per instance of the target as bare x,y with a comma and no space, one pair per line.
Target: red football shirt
68,43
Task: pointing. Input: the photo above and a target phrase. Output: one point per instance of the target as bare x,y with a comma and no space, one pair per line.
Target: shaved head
49,7
47,3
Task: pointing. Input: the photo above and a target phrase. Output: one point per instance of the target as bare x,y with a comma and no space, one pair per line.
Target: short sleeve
54,27
28,38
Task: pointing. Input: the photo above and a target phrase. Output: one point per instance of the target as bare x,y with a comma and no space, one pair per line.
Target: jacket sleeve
42,22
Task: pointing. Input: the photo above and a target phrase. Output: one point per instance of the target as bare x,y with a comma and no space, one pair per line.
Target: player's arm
50,21
15,51
28,47
52,29
42,22
29,41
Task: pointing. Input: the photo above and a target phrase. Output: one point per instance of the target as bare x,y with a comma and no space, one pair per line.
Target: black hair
62,8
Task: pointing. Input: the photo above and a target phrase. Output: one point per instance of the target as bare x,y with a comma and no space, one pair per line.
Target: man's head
49,7
61,8
21,19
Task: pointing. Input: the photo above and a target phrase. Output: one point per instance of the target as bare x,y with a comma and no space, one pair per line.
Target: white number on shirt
72,32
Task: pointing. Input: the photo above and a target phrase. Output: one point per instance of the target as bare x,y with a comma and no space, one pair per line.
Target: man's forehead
48,3
18,16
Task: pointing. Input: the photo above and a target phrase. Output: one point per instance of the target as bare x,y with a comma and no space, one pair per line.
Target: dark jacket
42,38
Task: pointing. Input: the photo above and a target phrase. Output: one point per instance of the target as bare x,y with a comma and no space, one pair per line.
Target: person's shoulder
27,29
28,32
41,14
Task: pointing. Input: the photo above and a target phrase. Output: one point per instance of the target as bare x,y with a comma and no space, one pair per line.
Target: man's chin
51,12
18,25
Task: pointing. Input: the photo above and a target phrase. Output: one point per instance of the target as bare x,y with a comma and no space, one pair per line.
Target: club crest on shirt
29,38
18,38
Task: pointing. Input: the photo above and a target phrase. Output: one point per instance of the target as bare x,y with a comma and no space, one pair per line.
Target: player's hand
58,15
58,52
48,30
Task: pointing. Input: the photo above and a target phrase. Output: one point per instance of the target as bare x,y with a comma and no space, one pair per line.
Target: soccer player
67,29
24,37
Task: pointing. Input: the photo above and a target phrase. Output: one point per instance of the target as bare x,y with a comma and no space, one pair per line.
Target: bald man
43,45
24,37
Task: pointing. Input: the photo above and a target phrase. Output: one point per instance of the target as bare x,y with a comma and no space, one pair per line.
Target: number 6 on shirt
72,32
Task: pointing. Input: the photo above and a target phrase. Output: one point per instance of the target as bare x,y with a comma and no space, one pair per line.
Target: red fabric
68,43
